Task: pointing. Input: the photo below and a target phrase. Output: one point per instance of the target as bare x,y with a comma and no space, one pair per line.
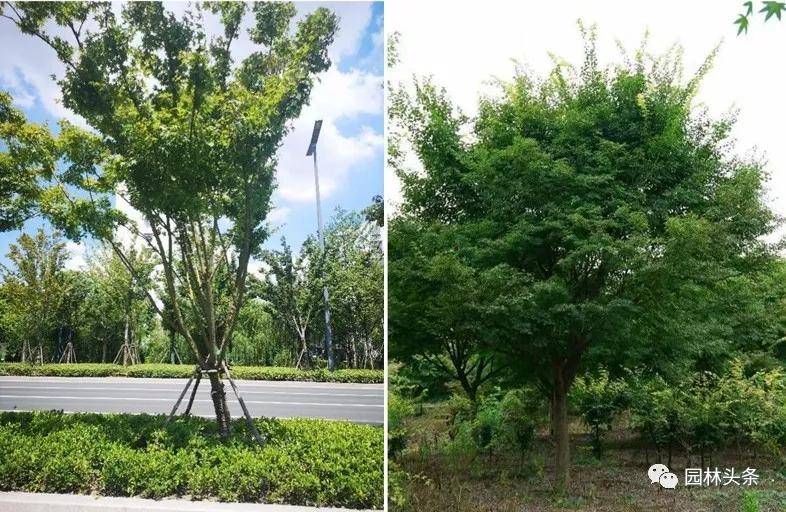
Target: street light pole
312,150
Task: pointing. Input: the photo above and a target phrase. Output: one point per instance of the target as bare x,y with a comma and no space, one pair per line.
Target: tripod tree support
196,377
69,354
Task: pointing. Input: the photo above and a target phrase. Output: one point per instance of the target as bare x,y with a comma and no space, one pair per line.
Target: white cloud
338,96
22,95
258,268
26,70
279,214
77,256
478,43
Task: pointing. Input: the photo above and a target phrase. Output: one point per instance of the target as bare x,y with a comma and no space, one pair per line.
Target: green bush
461,409
492,424
397,493
711,411
658,413
487,424
707,419
518,420
398,409
360,376
306,462
599,400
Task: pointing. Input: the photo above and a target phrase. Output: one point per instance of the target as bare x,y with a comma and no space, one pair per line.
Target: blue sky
349,100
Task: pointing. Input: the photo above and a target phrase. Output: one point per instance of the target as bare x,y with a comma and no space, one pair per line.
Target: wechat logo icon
660,474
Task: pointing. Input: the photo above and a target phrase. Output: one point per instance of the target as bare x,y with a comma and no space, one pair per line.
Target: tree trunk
559,419
103,349
303,359
470,389
125,344
219,397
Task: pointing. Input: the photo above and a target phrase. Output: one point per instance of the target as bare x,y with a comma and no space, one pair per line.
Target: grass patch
184,371
306,462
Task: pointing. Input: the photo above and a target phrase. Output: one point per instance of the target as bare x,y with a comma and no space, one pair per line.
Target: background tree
69,316
586,188
292,290
115,308
355,277
34,289
375,212
184,134
259,339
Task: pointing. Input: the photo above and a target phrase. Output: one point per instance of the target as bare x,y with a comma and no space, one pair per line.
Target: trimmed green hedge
184,371
305,462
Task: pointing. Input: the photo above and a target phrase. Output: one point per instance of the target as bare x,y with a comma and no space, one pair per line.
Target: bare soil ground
440,480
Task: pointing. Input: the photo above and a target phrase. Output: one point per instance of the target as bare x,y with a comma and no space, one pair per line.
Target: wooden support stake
193,394
177,404
249,421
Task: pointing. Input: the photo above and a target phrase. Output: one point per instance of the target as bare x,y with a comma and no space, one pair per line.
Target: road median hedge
184,371
305,462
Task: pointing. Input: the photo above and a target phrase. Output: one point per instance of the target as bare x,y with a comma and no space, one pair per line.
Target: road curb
41,502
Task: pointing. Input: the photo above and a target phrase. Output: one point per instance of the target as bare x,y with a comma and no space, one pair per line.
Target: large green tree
292,288
34,288
598,191
354,274
184,134
115,306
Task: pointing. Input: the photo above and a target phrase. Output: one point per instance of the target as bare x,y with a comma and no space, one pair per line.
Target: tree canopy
594,211
180,131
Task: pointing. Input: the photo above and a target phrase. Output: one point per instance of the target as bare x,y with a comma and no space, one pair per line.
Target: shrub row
305,462
184,371
699,416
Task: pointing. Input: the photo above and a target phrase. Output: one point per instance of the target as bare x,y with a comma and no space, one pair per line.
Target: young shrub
487,423
397,493
657,413
398,409
460,409
154,472
518,421
313,462
706,415
462,447
599,400
20,458
761,408
155,370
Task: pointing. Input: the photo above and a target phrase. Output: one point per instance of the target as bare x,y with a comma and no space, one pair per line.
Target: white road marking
174,389
170,400
181,382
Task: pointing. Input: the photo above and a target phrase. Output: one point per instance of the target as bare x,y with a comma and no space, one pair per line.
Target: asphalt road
361,403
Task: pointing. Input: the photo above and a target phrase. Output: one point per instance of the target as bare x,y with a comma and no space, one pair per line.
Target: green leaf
773,9
748,8
742,21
